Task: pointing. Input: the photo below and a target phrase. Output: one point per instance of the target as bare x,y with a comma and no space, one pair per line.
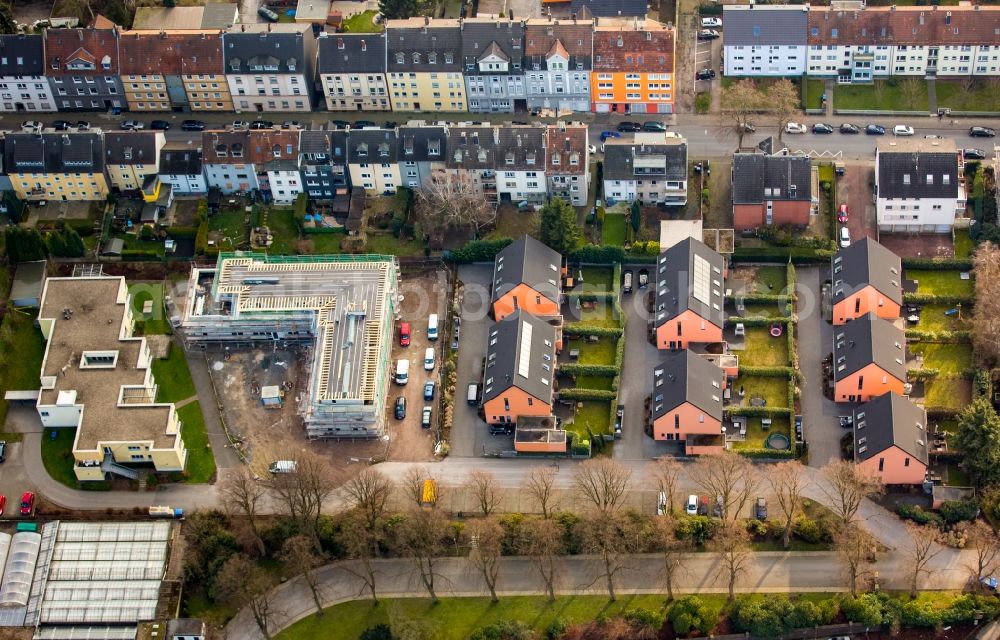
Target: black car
705,74
748,127
654,126
83,125
261,124
847,127
820,127
61,125
193,125
760,509
3,450
291,124
629,127
340,124
159,125
974,154
389,125
400,408
981,132
875,130
361,124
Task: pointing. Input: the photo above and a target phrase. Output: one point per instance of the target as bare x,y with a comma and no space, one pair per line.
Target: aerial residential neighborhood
499,320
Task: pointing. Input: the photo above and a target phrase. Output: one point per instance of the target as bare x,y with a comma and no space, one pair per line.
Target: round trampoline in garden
777,441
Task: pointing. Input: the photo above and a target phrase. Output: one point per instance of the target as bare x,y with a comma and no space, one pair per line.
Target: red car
27,503
3,503
842,214
404,334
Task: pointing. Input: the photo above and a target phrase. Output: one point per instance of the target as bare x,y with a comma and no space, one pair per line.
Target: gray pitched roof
527,261
285,51
352,53
683,376
54,153
864,263
338,147
758,177
677,270
520,353
748,25
917,174
610,8
503,38
423,144
412,45
472,147
521,149
890,420
314,142
180,162
22,55
868,340
375,146
619,161
130,147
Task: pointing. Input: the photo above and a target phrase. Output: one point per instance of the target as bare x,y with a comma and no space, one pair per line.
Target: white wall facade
764,60
918,215
375,178
558,89
355,92
275,92
231,178
184,183
26,93
522,185
285,185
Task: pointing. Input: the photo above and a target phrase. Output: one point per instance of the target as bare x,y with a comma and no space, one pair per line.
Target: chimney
892,8
427,21
921,18
364,47
947,18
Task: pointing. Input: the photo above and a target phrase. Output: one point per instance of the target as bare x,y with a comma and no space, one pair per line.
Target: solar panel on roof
702,280
524,354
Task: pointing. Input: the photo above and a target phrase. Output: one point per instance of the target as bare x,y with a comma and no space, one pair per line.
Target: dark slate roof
748,25
180,162
130,147
503,38
281,49
520,335
521,149
443,38
683,376
423,144
314,142
472,148
22,55
868,340
611,8
373,146
905,174
338,147
527,261
352,53
758,177
864,263
888,420
676,269
54,153
619,160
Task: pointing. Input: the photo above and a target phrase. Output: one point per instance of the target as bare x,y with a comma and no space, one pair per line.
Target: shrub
776,616
917,514
378,632
556,629
582,393
579,329
690,613
576,369
182,232
807,530
597,254
757,528
938,264
959,510
640,619
866,609
503,630
479,251
697,529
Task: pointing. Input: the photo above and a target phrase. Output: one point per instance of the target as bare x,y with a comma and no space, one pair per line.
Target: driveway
853,190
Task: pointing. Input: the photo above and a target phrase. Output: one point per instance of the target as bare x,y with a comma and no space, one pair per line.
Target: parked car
702,505
3,451
628,127
627,282
845,237
842,214
849,128
592,149
389,124
133,125
974,154
609,134
654,126
748,127
340,125
933,136
619,420
708,34
691,508
361,124
400,408
159,125
795,127
798,429
704,74
711,22
982,132
875,130
27,503
404,334
661,504
846,422
902,130
425,418
82,125
261,124
822,128
267,14
429,359
717,507
3,503
240,124
61,125
291,124
31,125
193,125
760,509
429,390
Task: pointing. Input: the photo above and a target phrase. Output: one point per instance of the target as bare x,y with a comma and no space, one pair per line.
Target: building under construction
343,306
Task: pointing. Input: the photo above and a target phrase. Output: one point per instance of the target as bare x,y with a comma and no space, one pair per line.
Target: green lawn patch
601,315
940,283
772,280
512,223
827,173
613,229
813,94
703,103
57,456
594,382
155,322
764,310
757,435
282,225
597,278
950,359
173,376
933,318
21,350
956,477
883,95
201,462
975,95
954,393
388,244
773,390
595,414
362,23
134,243
326,243
763,350
963,244
600,352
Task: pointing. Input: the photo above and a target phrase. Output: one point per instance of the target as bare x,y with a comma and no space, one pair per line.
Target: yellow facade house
424,65
56,166
132,157
97,378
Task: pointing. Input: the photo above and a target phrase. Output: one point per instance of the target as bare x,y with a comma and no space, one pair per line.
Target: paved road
774,572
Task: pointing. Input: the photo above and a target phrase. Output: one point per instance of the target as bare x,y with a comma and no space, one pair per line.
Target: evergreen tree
979,440
558,227
398,9
24,245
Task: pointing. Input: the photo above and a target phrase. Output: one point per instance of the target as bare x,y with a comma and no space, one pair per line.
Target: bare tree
845,485
672,550
728,478
540,485
667,473
787,483
361,545
486,549
369,492
910,88
543,542
241,583
613,537
856,549
450,201
300,556
303,492
783,99
983,541
923,548
732,543
242,493
421,536
485,490
740,102
412,484
603,482
986,313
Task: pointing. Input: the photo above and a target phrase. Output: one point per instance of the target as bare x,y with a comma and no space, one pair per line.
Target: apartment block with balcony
56,166
82,67
270,67
352,72
567,162
918,186
424,65
493,59
558,58
633,67
174,71
651,168
373,160
472,156
23,85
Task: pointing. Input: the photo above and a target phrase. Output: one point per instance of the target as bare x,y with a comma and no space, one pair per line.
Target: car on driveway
82,125
361,124
628,127
340,124
748,127
842,216
240,124
849,128
3,503
609,134
705,74
159,125
27,503
193,125
982,132
875,130
61,125
974,154
400,408
691,507
31,125
3,450
711,22
425,418
708,34
760,509
257,125
795,127
845,237
429,390
902,130
822,128
654,126
702,505
133,125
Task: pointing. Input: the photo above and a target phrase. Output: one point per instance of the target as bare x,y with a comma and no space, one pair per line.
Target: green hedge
732,321
140,254
942,413
761,298
797,255
619,362
767,372
182,232
587,394
767,453
926,373
760,412
577,369
84,227
321,230
938,336
597,254
589,296
578,329
938,264
930,298
478,251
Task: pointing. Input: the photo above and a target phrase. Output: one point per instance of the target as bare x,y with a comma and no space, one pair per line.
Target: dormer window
276,150
482,156
458,156
432,58
221,150
292,63
574,159
509,158
340,44
400,58
448,58
106,63
383,150
556,159
434,148
530,157
416,57
234,64
363,150
128,153
237,150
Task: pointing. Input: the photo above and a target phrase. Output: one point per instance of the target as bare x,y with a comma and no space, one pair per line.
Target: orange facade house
771,190
527,275
687,402
539,434
633,67
869,359
890,439
690,284
866,278
520,368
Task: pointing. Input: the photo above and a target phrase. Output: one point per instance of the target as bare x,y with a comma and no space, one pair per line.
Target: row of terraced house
477,65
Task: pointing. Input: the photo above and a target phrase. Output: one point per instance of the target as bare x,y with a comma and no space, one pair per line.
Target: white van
402,371
282,466
432,327
429,359
472,394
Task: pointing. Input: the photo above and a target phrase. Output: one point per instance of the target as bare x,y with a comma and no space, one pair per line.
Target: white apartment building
23,86
917,185
182,170
521,164
764,40
352,71
651,168
269,67
558,58
373,161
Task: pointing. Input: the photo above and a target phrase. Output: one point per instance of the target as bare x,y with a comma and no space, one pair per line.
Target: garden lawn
600,352
954,393
596,278
388,244
201,462
325,243
893,97
771,280
950,359
773,389
768,310
956,94
594,382
602,315
813,94
932,318
827,172
173,377
613,229
282,225
134,243
230,223
512,223
362,23
21,359
756,436
155,322
595,414
963,244
57,455
940,283
762,350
